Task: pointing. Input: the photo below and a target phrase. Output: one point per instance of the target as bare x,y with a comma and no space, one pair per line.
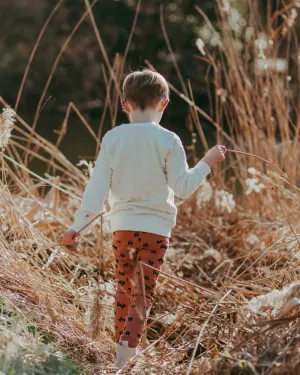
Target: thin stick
206,292
202,330
102,213
102,48
165,34
85,123
137,11
42,142
41,178
197,122
34,51
198,109
65,45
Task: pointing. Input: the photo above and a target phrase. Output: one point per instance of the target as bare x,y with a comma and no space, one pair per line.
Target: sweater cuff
76,227
205,168
82,218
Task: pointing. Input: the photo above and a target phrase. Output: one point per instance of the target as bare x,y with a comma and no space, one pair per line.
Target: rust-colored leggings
135,281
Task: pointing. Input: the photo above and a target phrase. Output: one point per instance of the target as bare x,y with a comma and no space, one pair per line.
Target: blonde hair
145,88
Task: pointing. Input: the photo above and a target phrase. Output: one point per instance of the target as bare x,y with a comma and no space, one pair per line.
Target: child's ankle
126,344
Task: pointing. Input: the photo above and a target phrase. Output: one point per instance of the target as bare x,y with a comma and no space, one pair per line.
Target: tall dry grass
236,239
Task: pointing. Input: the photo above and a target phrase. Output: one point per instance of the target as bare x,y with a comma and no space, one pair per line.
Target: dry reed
237,238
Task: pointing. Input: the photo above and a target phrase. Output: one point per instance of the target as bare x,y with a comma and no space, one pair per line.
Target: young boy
140,167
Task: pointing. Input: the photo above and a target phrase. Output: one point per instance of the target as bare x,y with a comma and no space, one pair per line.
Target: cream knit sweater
139,168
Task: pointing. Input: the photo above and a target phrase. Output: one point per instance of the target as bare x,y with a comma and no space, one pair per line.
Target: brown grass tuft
237,238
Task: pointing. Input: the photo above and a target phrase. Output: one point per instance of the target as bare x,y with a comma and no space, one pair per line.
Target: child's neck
148,115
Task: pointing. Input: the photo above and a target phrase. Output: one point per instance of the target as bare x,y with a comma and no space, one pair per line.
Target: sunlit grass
237,238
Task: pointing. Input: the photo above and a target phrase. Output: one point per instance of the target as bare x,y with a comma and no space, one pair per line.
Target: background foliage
237,238
79,74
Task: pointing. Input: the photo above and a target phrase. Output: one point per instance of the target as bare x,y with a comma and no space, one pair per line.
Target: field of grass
229,295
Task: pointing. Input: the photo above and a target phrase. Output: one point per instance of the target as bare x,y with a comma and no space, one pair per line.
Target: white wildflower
291,19
222,93
252,238
7,120
180,274
262,58
205,33
171,252
220,220
249,33
82,162
166,318
204,194
252,171
224,200
216,40
274,64
234,19
262,246
4,228
261,44
266,92
253,185
226,6
213,253
89,166
200,45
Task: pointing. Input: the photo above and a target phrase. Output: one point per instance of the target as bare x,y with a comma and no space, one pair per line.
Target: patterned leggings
135,282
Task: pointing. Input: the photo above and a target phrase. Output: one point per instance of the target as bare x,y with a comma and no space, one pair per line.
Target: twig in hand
95,218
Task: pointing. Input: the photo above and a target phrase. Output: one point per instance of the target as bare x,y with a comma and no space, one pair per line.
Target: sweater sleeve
96,191
182,180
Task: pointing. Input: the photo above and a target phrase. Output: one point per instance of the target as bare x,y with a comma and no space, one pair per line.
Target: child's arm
93,198
184,181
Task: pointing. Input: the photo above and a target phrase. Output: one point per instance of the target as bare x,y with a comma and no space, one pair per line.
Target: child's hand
69,237
215,155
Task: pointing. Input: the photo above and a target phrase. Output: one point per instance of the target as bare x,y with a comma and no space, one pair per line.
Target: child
140,167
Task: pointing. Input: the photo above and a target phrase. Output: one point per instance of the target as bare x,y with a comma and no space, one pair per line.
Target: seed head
7,120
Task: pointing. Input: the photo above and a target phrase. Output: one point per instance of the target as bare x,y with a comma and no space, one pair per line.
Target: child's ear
164,104
125,105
